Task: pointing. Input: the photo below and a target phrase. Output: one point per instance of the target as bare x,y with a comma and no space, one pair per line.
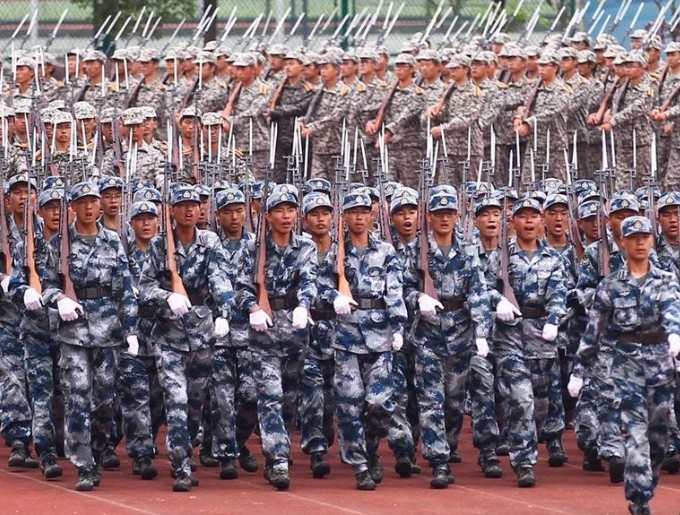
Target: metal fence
78,27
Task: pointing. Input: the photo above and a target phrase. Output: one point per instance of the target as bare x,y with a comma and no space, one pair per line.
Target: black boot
403,466
49,466
441,476
557,456
320,467
490,465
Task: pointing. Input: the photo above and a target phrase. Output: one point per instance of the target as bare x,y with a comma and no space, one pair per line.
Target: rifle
387,28
232,100
380,117
132,98
381,170
603,254
423,236
29,246
5,253
313,104
671,97
259,279
53,35
508,292
341,185
65,248
531,99
574,234
277,95
599,115
651,181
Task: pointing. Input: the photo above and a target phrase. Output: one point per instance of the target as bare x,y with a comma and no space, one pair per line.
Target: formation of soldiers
263,240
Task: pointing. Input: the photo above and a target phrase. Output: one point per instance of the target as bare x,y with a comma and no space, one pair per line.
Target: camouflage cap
551,185
191,112
623,201
402,191
149,54
639,34
133,52
318,185
94,55
244,59
486,202
512,50
350,56
613,51
21,178
382,50
580,37
532,51
203,190
46,114
501,38
148,112
143,207
588,194
635,57
548,58
367,53
220,185
133,116
427,54
636,225
356,199
25,61
285,188
229,197
210,46
670,199
50,195
106,115
278,49
23,106
191,52
173,53
642,193
58,105
408,47
539,195
480,57
405,199
442,201
279,197
600,45
184,194
49,58
458,60
61,117
84,189
526,203
585,56
204,58
568,53
210,119
52,182
314,200
580,185
329,58
372,192
673,46
312,57
407,59
443,188
589,208
148,194
120,55
656,43
110,182
554,199
84,111
391,187
222,50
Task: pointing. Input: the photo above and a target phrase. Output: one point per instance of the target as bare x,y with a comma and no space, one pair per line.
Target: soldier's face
405,221
532,64
186,213
349,68
568,65
281,218
87,209
673,59
383,59
653,55
635,43
478,70
358,219
329,72
50,213
111,202
204,210
311,72
137,131
547,71
366,66
638,247
17,199
149,68
107,131
246,74
63,134
590,227
232,218
293,68
599,57
24,74
318,221
585,70
634,71
459,73
93,69
429,69
145,226
668,220
488,221
186,126
20,123
556,220
616,219
527,223
581,45
403,71
276,62
443,221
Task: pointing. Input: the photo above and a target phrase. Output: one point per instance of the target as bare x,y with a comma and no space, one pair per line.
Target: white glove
428,305
32,300
397,342
674,344
133,345
179,304
574,386
343,304
135,290
482,347
506,311
260,321
300,316
69,309
221,327
5,284
549,332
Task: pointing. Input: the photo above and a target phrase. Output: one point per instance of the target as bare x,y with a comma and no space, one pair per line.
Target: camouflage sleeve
598,317
670,306
477,298
218,278
326,281
412,286
556,294
52,286
549,110
246,293
673,112
587,279
297,108
329,118
412,108
463,118
121,284
18,281
640,107
256,108
309,270
150,291
394,283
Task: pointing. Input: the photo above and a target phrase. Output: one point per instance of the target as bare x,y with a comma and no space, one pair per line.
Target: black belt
146,311
93,293
322,314
642,338
277,303
452,304
370,303
197,300
529,312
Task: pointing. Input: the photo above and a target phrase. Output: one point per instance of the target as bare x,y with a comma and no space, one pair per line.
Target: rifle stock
508,292
380,117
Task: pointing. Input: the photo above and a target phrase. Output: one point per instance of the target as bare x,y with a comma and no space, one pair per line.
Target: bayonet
56,30
279,26
174,34
295,26
122,29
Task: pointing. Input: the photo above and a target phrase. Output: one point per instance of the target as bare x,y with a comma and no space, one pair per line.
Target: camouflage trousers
233,396
548,407
88,378
624,165
643,376
41,359
363,396
184,377
317,406
672,177
141,402
277,379
323,166
403,165
598,419
485,433
515,386
404,429
15,411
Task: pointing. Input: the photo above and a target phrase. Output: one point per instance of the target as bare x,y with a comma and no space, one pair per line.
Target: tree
168,10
